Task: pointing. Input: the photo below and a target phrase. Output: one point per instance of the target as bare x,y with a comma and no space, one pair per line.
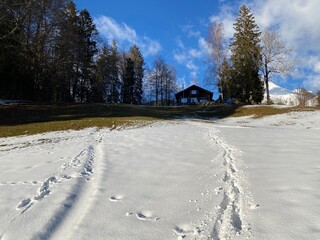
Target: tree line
50,51
254,55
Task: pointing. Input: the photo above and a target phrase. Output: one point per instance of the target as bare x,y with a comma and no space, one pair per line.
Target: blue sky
177,31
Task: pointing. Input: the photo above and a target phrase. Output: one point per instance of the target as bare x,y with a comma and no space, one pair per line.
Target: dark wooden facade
193,94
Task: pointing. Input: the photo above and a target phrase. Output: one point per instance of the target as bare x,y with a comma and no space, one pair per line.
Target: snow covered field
236,178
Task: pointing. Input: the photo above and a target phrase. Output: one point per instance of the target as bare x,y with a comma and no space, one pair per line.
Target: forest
52,52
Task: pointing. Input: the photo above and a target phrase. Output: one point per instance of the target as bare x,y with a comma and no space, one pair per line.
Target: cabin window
193,92
184,100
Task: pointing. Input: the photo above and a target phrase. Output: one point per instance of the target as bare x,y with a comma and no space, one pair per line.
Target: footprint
218,190
45,188
146,216
185,230
116,198
254,206
23,203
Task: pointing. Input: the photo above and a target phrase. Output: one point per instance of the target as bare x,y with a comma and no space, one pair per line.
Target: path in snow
172,180
46,205
166,181
282,156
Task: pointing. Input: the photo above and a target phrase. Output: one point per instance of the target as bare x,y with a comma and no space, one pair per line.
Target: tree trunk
266,79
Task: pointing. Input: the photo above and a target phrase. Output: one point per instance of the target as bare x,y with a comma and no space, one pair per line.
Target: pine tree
101,75
87,51
246,58
225,81
138,61
128,82
11,86
27,39
66,55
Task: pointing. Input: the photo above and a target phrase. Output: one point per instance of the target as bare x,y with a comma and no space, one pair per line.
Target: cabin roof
194,87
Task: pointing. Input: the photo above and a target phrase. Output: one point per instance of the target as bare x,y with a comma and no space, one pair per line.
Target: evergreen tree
138,61
225,84
101,74
246,58
66,55
27,38
11,34
113,81
128,82
87,50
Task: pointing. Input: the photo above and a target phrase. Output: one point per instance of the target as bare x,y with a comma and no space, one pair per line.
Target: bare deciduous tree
161,82
304,96
216,40
277,57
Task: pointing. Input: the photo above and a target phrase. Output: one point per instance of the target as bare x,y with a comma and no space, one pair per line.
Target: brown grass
32,119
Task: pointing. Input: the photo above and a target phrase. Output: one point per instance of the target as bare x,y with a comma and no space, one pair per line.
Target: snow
235,178
13,102
280,95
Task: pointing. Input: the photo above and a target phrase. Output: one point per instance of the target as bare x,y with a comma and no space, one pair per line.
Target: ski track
80,170
229,222
227,218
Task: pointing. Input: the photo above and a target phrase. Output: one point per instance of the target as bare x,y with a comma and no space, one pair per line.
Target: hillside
283,96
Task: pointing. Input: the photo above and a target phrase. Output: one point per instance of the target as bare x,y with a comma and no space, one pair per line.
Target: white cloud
124,34
189,29
195,53
298,23
180,57
110,29
203,46
312,82
298,20
226,16
190,57
150,47
191,66
317,67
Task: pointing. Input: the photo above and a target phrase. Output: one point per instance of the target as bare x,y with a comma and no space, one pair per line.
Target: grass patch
33,119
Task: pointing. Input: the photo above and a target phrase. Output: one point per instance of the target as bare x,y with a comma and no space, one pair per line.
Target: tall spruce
66,55
101,75
11,34
87,50
128,82
113,81
138,61
246,58
27,39
225,81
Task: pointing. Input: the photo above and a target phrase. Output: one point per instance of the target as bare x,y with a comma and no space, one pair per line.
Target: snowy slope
280,95
168,181
282,155
237,178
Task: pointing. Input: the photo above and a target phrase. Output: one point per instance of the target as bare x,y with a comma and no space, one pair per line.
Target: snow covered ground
236,178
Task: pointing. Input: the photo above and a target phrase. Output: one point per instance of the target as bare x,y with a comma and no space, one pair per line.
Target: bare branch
276,57
216,40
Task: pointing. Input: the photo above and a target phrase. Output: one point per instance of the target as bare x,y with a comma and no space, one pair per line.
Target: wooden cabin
193,94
